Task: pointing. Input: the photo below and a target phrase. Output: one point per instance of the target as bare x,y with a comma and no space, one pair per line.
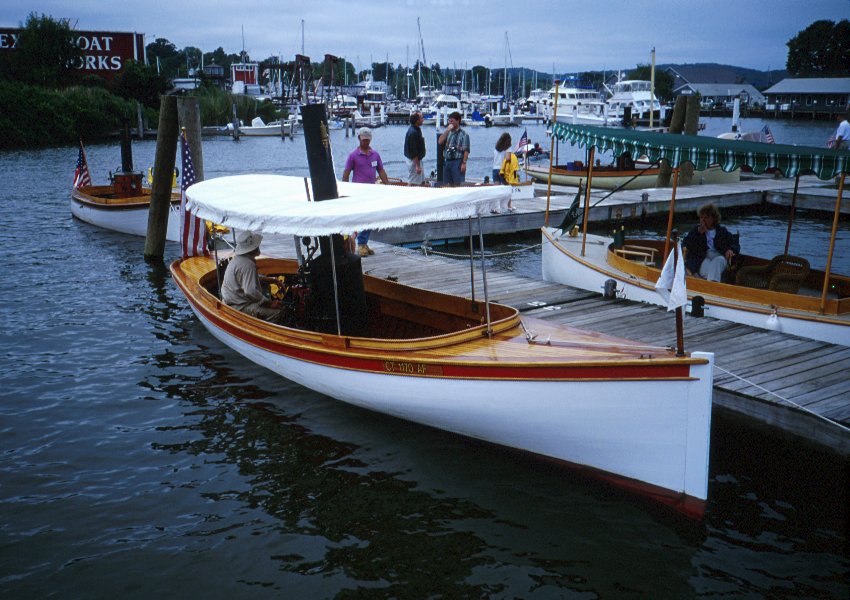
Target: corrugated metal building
813,93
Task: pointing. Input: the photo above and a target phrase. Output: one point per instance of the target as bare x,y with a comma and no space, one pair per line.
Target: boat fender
698,306
773,322
610,289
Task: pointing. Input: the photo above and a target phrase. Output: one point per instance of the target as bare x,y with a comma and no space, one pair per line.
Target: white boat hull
132,221
654,435
585,119
562,263
267,131
271,130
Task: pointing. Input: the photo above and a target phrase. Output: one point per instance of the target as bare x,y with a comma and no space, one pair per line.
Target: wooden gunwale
721,294
466,354
99,196
564,176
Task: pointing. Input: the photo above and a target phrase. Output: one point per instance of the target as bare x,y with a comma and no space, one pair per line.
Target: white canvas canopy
279,204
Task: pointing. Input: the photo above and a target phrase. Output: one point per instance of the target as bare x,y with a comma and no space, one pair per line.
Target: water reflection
391,506
777,518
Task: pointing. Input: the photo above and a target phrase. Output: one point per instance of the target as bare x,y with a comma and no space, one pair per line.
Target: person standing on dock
509,168
709,246
499,152
842,133
414,150
455,142
364,163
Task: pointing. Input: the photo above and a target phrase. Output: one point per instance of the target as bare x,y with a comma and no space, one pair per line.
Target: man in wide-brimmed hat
242,286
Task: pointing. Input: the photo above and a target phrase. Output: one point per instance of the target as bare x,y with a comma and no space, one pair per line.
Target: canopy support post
670,215
215,238
551,155
791,215
832,243
484,277
471,259
336,289
680,325
590,157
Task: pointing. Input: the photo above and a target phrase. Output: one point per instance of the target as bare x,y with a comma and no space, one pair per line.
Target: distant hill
688,73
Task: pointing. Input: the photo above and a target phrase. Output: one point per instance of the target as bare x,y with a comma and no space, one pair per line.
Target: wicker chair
784,273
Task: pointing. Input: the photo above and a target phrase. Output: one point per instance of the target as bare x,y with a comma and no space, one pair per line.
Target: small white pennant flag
671,283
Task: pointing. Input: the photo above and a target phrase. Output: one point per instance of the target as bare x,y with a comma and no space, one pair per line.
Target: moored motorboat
259,128
578,105
636,98
780,293
635,415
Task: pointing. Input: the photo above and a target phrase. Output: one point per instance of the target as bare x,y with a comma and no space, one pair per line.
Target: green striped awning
703,151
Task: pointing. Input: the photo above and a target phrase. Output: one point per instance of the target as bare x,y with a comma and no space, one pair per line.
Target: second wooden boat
612,177
122,206
780,293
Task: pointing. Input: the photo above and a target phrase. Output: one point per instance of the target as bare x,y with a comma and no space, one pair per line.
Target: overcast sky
564,36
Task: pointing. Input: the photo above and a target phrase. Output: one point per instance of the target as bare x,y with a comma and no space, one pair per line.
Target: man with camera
455,142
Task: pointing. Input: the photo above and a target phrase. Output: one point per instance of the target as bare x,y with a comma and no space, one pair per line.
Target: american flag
81,173
768,136
523,142
192,230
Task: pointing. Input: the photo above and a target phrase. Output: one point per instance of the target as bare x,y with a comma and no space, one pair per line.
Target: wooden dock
628,205
791,384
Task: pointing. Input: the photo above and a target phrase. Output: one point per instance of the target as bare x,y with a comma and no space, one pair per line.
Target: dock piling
160,203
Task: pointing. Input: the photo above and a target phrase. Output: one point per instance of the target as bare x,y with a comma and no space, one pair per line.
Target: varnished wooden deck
758,373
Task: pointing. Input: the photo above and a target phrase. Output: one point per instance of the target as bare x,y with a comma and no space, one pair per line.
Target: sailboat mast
422,48
303,83
505,82
652,88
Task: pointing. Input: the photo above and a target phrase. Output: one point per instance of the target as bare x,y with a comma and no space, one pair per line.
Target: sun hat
247,241
364,132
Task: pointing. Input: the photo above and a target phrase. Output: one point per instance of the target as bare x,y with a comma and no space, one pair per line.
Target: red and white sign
104,52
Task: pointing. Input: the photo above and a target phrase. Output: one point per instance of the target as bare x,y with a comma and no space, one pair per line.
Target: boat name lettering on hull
407,368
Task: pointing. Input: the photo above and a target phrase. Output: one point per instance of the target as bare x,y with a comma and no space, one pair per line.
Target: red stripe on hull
415,368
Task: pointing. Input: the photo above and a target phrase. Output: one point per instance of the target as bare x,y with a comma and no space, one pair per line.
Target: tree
218,56
663,81
820,50
192,58
140,82
46,52
163,56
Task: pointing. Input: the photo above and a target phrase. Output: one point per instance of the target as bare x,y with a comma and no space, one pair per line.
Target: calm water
141,458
